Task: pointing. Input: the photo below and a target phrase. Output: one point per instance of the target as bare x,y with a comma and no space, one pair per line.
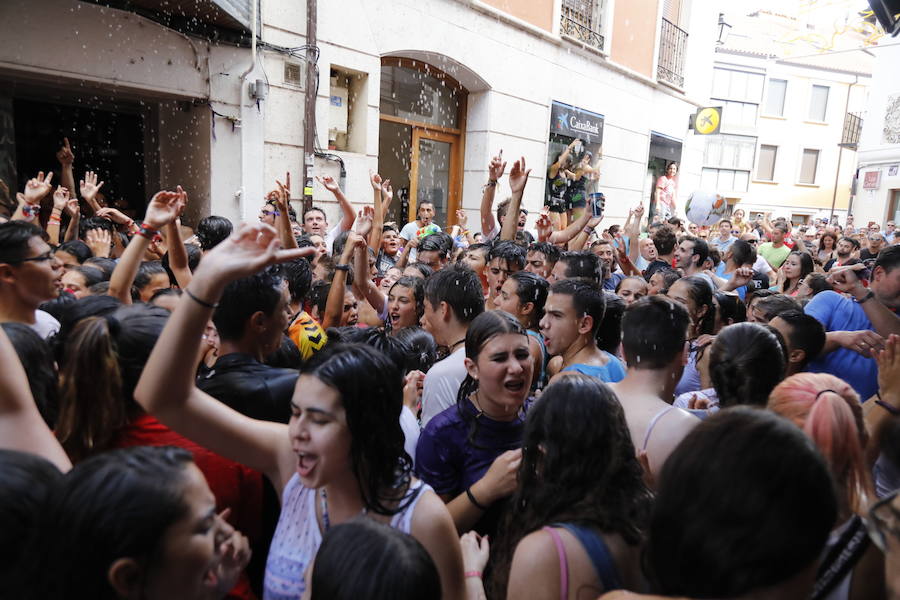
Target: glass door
434,174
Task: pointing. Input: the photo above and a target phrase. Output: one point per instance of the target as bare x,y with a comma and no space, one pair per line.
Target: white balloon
705,208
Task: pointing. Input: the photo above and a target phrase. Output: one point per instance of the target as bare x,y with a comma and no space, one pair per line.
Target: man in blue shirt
857,324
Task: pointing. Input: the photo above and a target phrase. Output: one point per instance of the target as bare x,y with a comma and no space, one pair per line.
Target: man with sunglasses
29,275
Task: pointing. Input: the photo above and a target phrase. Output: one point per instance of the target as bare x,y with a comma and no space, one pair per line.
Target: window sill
809,185
775,117
764,181
584,45
815,122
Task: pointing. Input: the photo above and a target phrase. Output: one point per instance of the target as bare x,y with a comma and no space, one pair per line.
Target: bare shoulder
431,516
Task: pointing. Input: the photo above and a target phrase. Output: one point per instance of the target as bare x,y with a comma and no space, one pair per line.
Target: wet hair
74,313
161,293
583,264
609,334
701,294
286,356
371,391
120,505
852,241
758,456
76,248
587,298
107,265
888,259
730,308
774,305
715,257
577,417
91,275
213,230
637,278
146,271
242,298
460,288
829,412
806,267
422,351
14,238
742,253
96,223
664,239
318,296
194,254
669,276
806,334
37,356
654,331
366,559
298,274
485,248
337,246
417,286
385,344
104,360
550,251
29,482
434,242
532,288
817,282
55,306
699,248
746,361
512,253
422,268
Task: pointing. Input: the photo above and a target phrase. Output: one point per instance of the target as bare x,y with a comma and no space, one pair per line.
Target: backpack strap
599,554
563,563
841,558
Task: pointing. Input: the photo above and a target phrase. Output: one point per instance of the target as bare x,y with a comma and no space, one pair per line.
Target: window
775,99
741,86
724,180
347,114
808,165
582,20
765,171
737,114
728,160
818,103
799,219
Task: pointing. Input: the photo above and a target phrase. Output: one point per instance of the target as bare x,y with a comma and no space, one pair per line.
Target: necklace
457,343
326,520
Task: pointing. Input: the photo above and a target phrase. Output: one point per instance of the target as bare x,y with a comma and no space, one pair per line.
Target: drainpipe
837,172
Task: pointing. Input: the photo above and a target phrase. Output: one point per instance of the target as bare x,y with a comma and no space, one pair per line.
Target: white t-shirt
409,230
410,428
442,385
331,236
45,324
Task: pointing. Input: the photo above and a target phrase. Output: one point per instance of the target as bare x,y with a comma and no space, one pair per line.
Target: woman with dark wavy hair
340,456
577,518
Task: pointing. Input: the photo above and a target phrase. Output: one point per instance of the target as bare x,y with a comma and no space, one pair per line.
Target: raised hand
375,180
544,226
330,184
99,241
281,196
235,552
742,276
845,279
64,155
89,186
462,218
364,221
889,369
497,167
60,198
183,198
37,188
72,207
387,191
518,176
162,209
252,247
114,215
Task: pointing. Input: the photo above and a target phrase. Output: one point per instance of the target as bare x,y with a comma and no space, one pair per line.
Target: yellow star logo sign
707,120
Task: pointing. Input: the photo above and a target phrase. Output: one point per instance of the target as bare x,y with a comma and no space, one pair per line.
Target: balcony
853,123
578,20
672,49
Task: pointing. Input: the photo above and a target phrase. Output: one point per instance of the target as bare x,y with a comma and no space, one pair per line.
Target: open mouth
514,385
306,463
395,318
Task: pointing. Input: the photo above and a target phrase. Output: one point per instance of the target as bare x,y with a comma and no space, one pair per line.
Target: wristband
342,267
891,409
588,230
146,231
54,219
30,211
869,295
213,305
472,574
473,500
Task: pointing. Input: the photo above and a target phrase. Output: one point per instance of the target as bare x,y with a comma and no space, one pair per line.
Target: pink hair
829,412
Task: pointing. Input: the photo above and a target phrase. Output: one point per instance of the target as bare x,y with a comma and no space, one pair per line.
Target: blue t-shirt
611,283
611,372
838,313
720,272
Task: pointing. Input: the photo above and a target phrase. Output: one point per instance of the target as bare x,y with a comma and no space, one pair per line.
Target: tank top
297,538
542,378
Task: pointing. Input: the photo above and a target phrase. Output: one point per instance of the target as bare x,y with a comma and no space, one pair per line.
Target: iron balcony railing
672,49
853,123
577,20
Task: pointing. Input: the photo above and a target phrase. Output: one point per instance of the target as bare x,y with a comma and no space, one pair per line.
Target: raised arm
387,197
178,257
74,211
162,209
347,214
60,197
495,172
884,321
283,220
89,189
166,388
362,283
575,232
334,304
21,425
518,178
633,232
378,187
888,393
66,159
30,201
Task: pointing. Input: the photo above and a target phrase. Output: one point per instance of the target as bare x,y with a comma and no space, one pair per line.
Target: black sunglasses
39,258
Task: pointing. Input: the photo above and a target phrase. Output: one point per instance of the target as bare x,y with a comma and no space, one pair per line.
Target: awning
225,21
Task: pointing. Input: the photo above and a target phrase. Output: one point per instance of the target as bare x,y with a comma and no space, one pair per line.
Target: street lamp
724,29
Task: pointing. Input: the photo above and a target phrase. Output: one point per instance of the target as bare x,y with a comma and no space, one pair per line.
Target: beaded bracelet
146,231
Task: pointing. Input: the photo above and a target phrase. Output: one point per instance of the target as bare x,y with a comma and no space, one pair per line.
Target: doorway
421,138
664,151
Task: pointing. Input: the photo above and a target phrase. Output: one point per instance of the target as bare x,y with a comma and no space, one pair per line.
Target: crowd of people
292,408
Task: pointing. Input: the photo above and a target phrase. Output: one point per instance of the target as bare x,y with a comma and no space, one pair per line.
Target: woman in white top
341,454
